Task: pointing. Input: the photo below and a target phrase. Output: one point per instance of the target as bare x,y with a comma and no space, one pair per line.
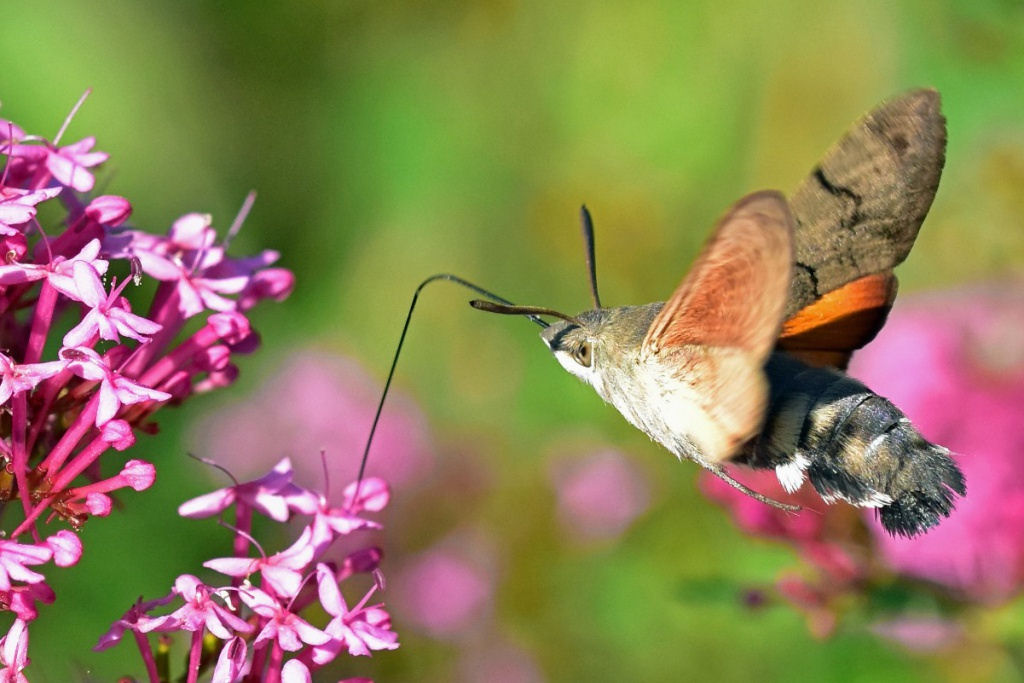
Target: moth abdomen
853,445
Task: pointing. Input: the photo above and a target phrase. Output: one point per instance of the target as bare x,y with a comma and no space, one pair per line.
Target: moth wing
735,292
712,337
827,332
859,211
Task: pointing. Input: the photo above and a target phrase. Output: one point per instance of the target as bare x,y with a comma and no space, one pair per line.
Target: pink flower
295,671
231,663
954,363
16,378
287,628
119,435
360,629
23,599
115,389
199,611
188,257
18,206
109,315
272,494
197,293
66,547
14,653
135,619
68,164
281,571
330,522
269,283
84,506
362,561
193,232
59,272
16,557
138,475
109,210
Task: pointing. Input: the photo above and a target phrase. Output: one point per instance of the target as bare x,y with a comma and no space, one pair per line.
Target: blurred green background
392,140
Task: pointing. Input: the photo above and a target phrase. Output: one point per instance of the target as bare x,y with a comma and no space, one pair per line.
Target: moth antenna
530,311
587,226
398,350
721,474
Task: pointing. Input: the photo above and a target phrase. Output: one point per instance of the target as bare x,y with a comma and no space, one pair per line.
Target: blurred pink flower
954,363
920,634
759,519
319,401
442,592
599,495
499,662
814,600
819,531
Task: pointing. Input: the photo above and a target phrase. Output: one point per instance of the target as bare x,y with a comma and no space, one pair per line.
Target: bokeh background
533,536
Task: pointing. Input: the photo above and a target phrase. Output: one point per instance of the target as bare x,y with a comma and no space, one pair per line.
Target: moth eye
581,354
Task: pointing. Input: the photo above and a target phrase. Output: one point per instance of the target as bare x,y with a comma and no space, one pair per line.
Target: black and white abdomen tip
852,445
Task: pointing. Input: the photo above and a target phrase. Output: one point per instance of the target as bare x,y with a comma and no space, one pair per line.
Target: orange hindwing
828,331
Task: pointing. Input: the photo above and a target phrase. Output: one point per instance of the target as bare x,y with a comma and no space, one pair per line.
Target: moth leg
720,472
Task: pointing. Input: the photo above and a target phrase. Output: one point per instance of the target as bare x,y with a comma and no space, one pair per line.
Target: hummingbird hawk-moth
744,363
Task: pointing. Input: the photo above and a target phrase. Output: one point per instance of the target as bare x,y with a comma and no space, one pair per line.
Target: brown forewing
859,210
736,291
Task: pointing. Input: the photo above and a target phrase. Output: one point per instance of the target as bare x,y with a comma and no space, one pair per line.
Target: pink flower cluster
254,627
954,363
72,394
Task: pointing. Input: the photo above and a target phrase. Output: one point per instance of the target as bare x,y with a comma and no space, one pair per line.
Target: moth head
573,340
599,343
593,344
576,346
